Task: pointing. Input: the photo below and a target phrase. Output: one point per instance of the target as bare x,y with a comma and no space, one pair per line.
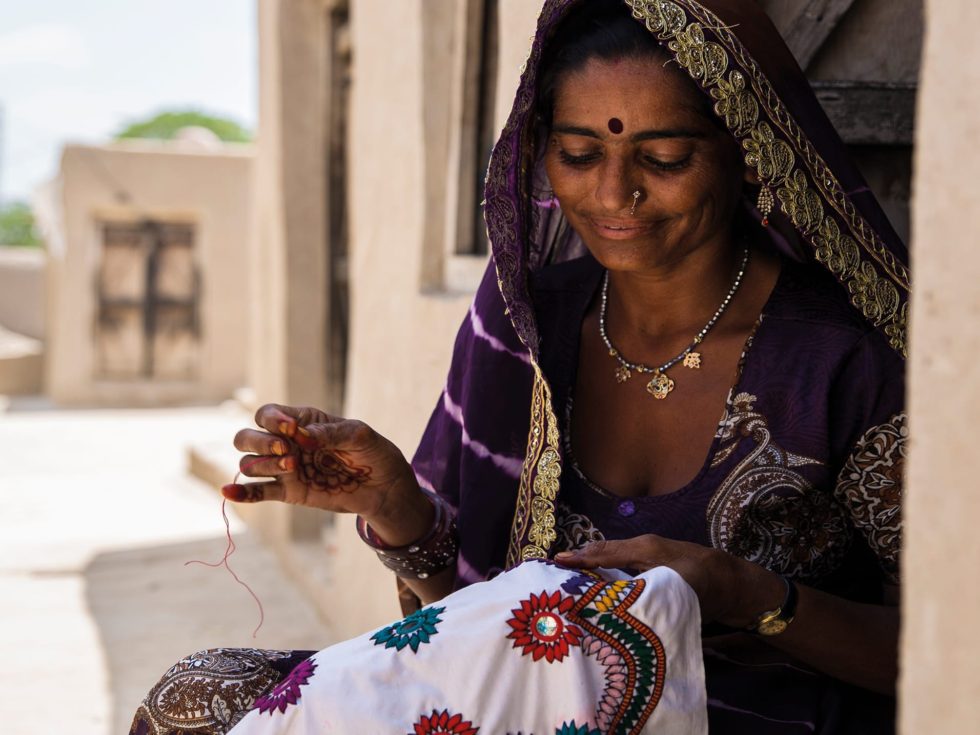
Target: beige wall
22,290
288,362
130,180
941,638
402,328
21,320
404,314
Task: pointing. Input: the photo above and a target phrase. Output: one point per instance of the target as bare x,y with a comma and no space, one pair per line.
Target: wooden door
148,286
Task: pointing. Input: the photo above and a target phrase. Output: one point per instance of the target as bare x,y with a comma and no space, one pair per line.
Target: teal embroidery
570,728
413,631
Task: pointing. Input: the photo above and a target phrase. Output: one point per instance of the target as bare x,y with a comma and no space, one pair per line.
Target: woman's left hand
716,577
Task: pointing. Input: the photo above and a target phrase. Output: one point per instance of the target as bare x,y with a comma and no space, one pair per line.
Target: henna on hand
331,470
249,492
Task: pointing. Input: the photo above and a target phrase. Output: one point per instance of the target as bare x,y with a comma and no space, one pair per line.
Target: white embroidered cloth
539,650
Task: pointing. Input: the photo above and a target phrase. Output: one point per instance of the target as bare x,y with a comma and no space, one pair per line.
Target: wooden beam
878,113
812,26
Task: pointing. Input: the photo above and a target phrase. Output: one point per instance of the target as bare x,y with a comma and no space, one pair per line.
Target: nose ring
636,198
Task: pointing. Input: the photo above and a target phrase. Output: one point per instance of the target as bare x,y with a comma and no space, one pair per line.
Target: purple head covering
492,447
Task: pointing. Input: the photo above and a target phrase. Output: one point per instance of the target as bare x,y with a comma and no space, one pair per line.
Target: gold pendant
660,386
692,360
623,374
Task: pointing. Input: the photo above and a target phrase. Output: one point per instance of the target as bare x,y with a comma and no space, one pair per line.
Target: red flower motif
538,627
443,722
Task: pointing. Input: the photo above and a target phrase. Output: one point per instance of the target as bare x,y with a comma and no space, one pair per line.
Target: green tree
165,125
17,225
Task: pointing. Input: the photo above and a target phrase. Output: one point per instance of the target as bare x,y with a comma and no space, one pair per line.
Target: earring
636,198
765,204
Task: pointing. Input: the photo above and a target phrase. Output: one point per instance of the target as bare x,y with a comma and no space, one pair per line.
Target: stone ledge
299,537
21,364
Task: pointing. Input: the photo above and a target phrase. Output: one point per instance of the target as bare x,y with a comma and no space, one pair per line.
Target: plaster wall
941,641
402,324
875,41
131,180
22,290
288,251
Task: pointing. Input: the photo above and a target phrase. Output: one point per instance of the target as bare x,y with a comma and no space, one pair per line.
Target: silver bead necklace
660,386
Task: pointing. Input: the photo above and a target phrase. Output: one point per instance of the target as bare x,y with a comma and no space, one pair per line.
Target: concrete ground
97,518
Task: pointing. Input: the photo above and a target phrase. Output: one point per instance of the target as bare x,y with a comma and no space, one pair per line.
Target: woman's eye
578,160
666,165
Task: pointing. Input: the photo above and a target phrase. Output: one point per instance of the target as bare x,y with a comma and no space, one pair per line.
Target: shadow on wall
151,610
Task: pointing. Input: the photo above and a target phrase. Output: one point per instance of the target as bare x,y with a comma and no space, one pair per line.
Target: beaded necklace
660,385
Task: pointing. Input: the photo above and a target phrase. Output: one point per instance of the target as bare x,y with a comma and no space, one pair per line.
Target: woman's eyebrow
635,137
659,134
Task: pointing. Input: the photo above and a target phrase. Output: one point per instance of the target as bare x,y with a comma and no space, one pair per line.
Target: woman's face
636,125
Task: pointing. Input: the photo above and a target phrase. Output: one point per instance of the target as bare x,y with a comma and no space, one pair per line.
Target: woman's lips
620,229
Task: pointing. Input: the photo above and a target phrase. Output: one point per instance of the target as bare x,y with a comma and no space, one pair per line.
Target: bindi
615,125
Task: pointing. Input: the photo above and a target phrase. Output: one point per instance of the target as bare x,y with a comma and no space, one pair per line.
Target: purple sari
804,475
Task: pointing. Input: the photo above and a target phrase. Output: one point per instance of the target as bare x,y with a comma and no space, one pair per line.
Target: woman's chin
625,256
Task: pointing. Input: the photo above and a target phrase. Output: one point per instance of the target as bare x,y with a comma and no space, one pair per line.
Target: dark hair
597,29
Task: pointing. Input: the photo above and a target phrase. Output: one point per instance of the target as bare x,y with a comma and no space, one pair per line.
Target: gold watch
774,622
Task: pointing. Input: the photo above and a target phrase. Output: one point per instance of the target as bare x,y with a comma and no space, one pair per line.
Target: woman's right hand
334,464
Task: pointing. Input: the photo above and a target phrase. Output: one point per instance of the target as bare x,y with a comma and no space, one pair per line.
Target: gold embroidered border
802,191
823,176
500,210
533,530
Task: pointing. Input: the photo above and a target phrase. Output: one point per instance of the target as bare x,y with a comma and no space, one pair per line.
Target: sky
78,72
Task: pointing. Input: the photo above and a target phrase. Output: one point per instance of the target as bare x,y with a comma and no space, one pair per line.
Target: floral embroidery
765,511
533,529
870,487
443,722
801,203
570,728
413,631
705,61
596,619
736,104
838,252
286,692
616,673
630,652
539,627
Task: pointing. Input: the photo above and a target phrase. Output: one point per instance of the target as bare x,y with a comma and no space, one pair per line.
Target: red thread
230,549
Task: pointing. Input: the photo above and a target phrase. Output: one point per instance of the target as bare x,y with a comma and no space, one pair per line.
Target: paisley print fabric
208,692
870,487
575,530
768,512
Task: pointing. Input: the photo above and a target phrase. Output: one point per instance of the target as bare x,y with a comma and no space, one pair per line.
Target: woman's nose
615,187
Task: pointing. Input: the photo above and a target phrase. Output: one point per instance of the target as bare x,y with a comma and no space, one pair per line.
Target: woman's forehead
624,94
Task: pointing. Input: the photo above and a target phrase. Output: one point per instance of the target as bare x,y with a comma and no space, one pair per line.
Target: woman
678,236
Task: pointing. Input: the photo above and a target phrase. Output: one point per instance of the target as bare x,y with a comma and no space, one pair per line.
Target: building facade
146,289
